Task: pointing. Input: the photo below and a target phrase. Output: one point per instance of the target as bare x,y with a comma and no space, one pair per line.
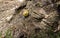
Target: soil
42,21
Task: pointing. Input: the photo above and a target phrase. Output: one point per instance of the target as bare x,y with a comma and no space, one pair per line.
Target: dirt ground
29,18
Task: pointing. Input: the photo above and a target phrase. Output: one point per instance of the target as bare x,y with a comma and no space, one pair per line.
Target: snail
25,13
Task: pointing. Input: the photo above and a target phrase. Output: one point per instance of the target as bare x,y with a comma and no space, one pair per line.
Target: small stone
21,1
9,18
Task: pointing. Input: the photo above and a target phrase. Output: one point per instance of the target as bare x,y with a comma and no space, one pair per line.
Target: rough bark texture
43,15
